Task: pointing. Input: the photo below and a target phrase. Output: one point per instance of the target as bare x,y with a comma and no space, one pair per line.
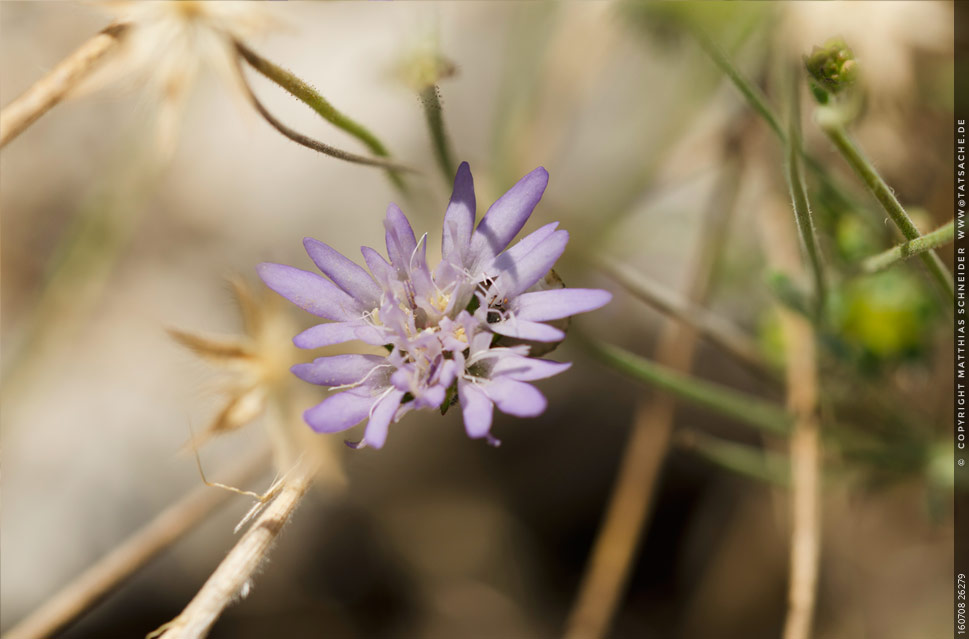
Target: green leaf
742,407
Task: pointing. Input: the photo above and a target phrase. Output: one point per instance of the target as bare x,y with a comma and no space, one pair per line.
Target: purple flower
441,327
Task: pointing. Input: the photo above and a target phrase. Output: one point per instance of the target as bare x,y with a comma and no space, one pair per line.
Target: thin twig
799,197
905,250
232,575
312,98
434,114
758,101
741,406
719,331
832,124
610,563
109,572
309,142
805,445
51,89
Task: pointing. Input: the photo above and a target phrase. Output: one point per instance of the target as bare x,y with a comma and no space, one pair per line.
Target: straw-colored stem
109,572
233,574
53,87
612,558
780,242
905,250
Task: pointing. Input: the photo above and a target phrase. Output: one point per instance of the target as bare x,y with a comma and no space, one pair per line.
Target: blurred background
121,220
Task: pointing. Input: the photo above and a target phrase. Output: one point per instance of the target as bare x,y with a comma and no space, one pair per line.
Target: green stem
715,328
905,250
434,113
751,462
835,130
311,98
756,412
755,97
799,198
758,101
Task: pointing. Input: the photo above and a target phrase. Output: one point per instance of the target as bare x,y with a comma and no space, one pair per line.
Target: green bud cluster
832,69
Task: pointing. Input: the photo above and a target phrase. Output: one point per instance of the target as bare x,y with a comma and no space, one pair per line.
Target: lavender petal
524,329
401,243
541,306
509,258
344,272
476,409
506,217
516,398
383,412
459,218
339,412
337,333
309,291
382,271
339,369
521,275
526,369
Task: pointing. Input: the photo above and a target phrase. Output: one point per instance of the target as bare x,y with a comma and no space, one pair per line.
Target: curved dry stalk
51,89
113,569
805,446
607,571
309,142
233,574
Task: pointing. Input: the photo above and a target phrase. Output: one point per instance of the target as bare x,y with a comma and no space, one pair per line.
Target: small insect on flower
461,332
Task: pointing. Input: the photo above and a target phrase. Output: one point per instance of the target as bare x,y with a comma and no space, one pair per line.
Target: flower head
169,44
443,328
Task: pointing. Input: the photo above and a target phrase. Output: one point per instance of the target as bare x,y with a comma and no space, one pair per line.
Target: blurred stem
311,97
835,130
718,330
780,241
230,578
755,463
627,515
758,101
754,96
434,113
59,81
744,408
799,198
109,572
84,261
905,250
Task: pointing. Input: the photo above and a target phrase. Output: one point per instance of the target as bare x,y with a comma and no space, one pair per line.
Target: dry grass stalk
615,547
84,592
781,245
53,87
232,577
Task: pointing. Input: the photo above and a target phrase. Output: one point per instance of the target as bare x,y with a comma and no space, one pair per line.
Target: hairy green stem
311,98
802,207
905,250
834,129
434,113
753,411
